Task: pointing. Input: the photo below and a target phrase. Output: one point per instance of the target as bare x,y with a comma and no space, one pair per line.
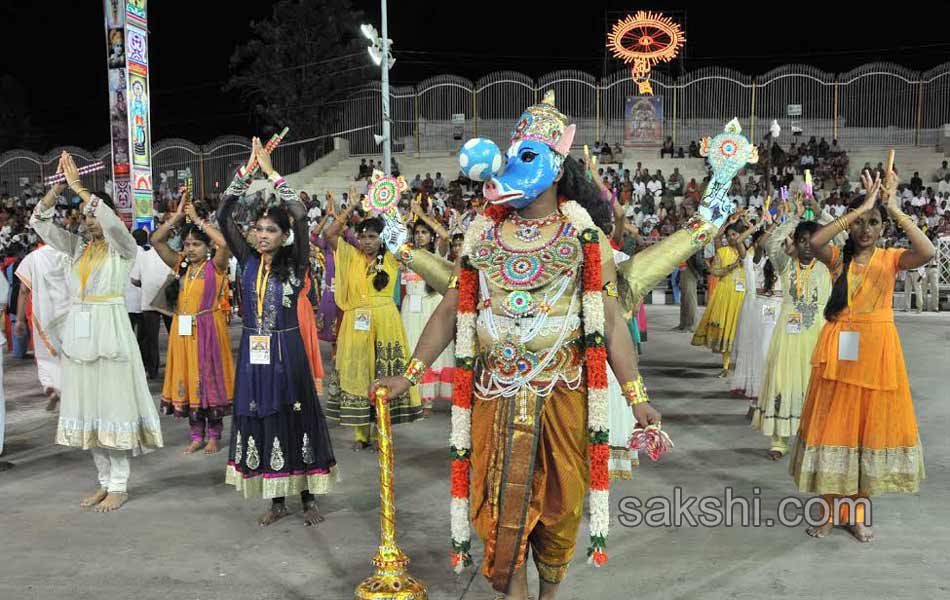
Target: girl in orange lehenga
858,435
199,370
308,331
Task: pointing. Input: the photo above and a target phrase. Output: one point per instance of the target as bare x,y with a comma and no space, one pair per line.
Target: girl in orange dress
199,369
308,331
858,435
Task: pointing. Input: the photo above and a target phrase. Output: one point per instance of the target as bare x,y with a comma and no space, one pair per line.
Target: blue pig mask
539,144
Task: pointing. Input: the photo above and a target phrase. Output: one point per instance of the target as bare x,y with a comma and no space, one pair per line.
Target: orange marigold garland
461,437
597,400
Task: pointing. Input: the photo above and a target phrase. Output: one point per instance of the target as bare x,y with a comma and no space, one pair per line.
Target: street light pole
384,65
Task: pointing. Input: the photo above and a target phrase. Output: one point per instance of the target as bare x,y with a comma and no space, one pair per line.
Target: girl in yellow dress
372,342
199,369
717,328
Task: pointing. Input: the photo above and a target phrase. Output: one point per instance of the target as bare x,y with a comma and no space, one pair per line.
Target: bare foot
820,531
213,447
357,446
276,513
723,374
53,402
95,499
113,501
193,447
426,412
311,515
862,533
776,454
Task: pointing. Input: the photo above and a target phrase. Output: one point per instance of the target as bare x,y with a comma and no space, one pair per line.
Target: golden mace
392,580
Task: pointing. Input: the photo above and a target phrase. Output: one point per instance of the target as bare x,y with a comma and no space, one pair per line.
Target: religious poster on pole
127,44
115,11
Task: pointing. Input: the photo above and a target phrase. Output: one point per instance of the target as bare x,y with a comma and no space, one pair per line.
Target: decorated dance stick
84,170
652,440
392,580
269,147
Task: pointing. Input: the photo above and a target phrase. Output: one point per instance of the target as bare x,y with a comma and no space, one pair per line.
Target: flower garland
596,371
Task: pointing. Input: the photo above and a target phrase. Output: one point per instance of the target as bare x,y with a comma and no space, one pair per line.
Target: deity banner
643,121
127,49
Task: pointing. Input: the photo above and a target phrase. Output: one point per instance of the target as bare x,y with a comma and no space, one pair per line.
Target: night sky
57,50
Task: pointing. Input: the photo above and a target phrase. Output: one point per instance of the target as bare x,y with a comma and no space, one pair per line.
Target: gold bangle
905,219
635,391
611,289
415,371
453,283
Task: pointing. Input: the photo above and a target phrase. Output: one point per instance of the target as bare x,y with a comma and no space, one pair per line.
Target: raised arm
296,208
42,220
776,245
229,229
222,255
159,239
651,265
922,249
440,231
872,188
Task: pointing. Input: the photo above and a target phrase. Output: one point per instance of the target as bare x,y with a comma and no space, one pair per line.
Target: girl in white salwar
757,318
106,406
43,277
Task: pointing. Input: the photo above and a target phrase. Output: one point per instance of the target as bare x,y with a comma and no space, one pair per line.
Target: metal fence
875,104
174,160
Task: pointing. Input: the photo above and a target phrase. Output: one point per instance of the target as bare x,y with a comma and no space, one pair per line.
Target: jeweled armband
635,392
415,371
611,289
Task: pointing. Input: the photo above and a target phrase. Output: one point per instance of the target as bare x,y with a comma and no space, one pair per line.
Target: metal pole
387,145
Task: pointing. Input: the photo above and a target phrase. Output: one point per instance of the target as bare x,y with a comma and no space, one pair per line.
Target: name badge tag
415,303
848,345
794,325
185,323
260,349
769,313
362,320
83,324
740,286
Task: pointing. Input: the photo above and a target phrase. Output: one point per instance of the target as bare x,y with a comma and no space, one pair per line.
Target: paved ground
184,535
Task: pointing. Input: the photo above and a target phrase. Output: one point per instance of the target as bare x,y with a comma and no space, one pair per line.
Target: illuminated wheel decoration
645,39
384,193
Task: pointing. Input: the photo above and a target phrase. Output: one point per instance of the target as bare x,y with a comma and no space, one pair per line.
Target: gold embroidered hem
135,437
848,471
621,463
280,486
350,410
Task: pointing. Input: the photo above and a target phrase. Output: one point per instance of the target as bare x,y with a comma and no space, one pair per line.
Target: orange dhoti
530,473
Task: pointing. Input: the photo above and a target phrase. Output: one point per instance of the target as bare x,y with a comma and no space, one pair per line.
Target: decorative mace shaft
392,580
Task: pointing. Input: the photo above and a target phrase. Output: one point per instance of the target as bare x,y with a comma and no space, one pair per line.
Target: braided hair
381,279
839,292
